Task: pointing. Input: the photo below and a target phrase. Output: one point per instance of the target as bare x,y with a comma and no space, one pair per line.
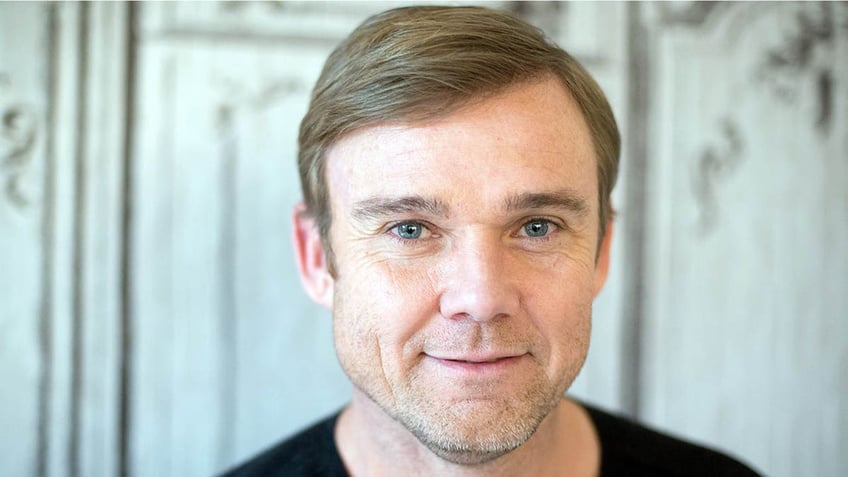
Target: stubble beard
470,432
474,432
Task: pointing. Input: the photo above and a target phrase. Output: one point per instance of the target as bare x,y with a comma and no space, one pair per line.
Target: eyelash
391,230
548,236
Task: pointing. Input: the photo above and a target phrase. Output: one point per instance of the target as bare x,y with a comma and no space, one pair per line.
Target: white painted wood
223,329
176,398
290,20
745,338
102,215
64,134
23,33
39,213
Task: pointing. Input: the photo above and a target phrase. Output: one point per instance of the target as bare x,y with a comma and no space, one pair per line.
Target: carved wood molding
714,164
801,67
806,56
546,15
236,96
690,13
18,132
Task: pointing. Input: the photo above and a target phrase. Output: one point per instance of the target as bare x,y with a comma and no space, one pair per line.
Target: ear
311,258
602,262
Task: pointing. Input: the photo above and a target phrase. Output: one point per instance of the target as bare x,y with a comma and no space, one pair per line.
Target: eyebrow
563,199
378,207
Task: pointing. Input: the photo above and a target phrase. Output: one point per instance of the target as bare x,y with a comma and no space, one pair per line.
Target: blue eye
536,228
409,230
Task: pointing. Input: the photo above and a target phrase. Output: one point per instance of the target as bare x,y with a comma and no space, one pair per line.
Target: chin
463,452
469,435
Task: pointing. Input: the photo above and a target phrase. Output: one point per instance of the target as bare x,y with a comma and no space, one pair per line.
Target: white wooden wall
746,321
62,136
151,322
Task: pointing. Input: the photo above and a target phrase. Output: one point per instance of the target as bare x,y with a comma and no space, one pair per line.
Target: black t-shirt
627,449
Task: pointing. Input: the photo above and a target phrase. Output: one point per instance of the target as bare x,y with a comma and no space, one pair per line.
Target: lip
478,365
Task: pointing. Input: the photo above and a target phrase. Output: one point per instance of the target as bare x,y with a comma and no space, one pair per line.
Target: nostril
459,316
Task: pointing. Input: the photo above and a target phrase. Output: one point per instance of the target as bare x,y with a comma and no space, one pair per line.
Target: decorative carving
232,6
277,7
800,66
239,96
17,138
273,7
805,59
546,15
715,163
236,97
692,13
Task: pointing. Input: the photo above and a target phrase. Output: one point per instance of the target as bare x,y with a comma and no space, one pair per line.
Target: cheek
379,307
399,292
561,308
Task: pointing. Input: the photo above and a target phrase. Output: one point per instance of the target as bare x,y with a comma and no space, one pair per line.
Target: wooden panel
62,430
222,327
23,113
745,339
100,216
320,21
61,215
258,20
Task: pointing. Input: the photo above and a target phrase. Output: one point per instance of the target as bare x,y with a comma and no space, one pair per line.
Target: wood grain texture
23,112
61,198
100,175
223,329
745,333
59,313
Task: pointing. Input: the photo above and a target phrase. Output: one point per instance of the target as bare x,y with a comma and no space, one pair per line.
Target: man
457,171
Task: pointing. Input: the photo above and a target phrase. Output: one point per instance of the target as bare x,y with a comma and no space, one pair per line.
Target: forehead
531,135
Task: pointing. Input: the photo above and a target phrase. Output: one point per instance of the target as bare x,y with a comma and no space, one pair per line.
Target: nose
479,282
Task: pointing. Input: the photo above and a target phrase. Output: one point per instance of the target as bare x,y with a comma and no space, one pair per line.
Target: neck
371,443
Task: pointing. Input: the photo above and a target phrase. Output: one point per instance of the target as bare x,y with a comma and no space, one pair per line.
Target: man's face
466,267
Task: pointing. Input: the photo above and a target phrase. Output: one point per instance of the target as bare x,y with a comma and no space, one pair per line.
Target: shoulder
629,448
312,452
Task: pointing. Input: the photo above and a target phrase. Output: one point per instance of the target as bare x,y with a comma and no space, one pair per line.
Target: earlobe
602,263
311,257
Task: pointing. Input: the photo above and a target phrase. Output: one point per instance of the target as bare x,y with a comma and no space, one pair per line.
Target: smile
480,361
478,366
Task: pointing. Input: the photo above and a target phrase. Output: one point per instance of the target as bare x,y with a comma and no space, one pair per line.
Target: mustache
478,341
